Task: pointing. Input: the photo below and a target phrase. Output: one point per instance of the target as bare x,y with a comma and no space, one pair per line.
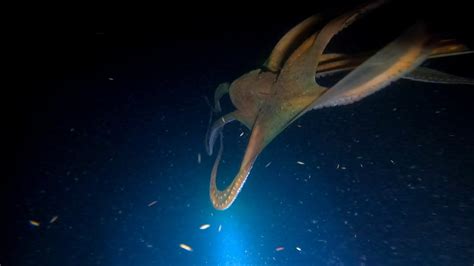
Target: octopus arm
394,61
424,74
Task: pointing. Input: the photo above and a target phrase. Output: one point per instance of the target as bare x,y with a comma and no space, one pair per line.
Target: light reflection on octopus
269,99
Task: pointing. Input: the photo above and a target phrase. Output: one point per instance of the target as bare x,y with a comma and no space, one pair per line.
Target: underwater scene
336,135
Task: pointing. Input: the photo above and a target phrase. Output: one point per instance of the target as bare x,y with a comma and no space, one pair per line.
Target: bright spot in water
280,248
34,223
204,226
186,247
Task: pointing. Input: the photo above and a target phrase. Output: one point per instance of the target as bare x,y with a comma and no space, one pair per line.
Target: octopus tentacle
216,129
389,64
288,42
223,199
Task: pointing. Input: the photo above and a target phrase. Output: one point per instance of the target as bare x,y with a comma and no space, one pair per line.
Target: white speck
280,248
53,219
241,134
268,164
111,79
204,226
186,247
300,162
220,228
298,248
199,157
392,161
152,203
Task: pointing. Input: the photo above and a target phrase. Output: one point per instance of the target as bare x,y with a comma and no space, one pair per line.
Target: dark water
109,120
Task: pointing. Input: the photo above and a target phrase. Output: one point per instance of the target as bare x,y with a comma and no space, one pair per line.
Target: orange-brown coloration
268,100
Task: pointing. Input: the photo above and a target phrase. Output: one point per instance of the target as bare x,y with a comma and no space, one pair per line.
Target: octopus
269,99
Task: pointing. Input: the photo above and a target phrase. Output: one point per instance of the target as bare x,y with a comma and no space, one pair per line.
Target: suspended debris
204,226
53,219
34,223
186,247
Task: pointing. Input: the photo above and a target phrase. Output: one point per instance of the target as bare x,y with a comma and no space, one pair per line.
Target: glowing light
34,223
204,226
186,247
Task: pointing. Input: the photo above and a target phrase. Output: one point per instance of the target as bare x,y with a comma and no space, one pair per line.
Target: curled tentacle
223,199
216,128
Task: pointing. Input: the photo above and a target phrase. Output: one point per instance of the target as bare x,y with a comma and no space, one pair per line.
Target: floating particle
361,166
343,167
204,226
298,125
34,223
268,164
220,228
199,157
300,162
241,134
279,248
298,248
337,167
53,219
152,203
186,247
111,79
392,161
